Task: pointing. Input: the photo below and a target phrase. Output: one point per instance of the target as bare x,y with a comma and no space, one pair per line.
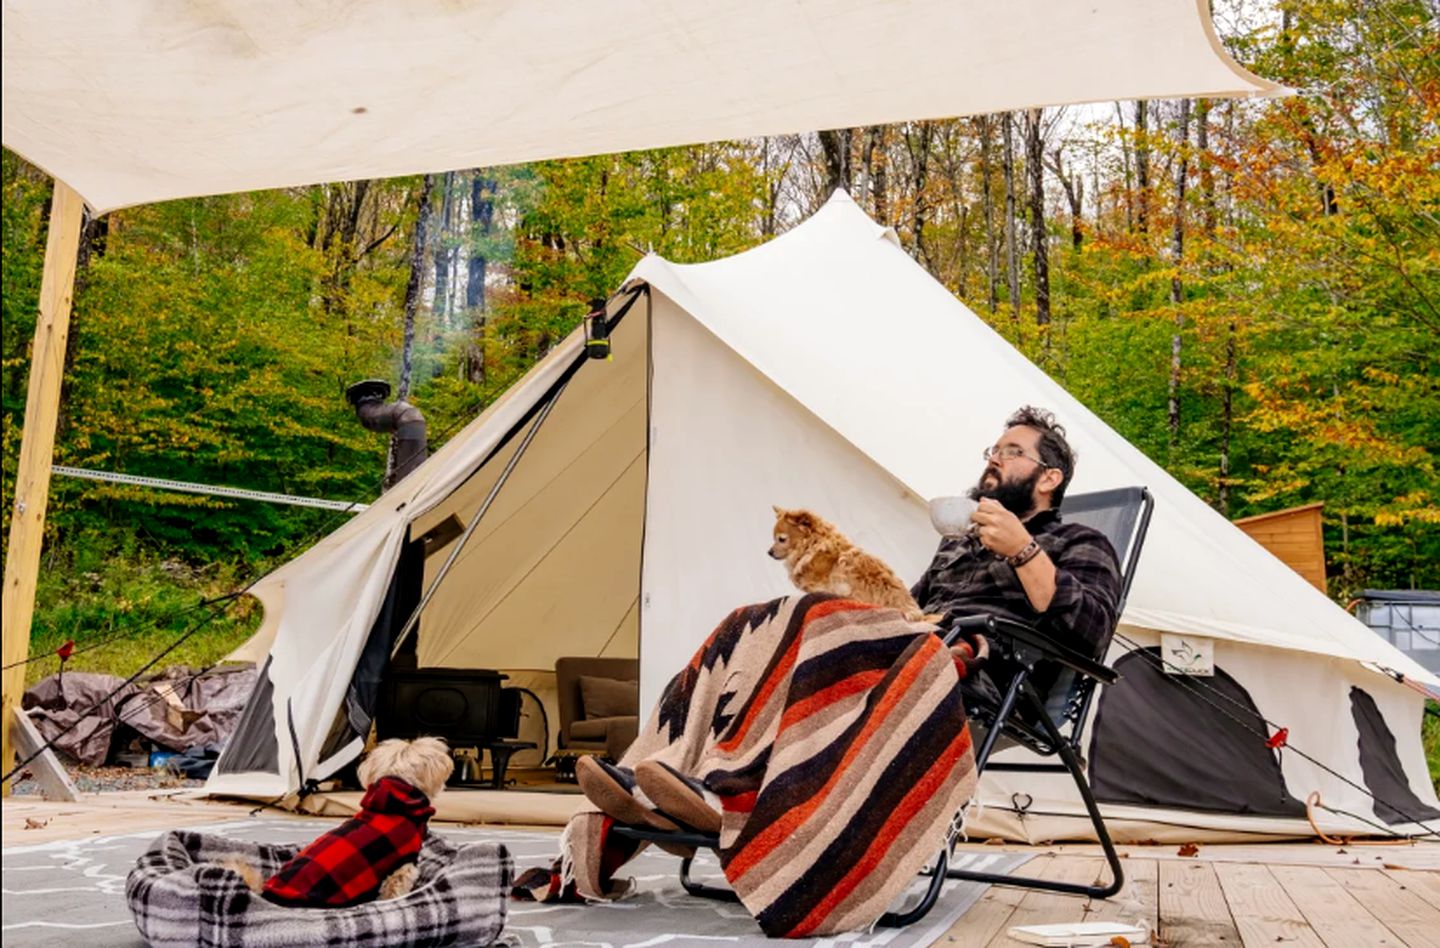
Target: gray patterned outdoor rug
73,892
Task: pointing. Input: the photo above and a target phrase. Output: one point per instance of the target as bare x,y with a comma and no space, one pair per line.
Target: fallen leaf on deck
1189,849
33,824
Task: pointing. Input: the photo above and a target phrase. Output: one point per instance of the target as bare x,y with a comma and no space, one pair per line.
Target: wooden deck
1292,894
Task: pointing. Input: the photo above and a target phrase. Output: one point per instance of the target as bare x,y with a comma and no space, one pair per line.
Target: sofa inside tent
824,369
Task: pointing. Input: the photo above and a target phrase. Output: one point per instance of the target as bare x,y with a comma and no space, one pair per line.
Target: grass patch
123,609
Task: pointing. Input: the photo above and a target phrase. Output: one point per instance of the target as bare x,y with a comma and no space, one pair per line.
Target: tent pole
37,447
414,619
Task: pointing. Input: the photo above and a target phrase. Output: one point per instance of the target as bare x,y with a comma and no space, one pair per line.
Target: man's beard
1018,497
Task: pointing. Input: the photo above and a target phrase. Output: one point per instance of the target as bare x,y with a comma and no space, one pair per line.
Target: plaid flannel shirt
347,865
967,579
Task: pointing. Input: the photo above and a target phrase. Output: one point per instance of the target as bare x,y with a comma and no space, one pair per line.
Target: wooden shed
1295,536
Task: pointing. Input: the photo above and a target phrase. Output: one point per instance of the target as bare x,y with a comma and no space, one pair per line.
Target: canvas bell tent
824,369
150,100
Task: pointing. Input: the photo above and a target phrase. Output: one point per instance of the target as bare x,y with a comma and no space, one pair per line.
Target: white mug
951,515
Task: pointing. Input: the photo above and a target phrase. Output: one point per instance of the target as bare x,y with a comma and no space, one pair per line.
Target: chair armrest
999,627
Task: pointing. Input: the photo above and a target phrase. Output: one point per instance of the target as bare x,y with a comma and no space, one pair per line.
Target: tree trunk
443,252
1142,166
1129,175
1177,259
1035,165
877,160
992,243
413,291
1099,191
415,287
94,237
920,162
339,238
1226,419
835,149
1012,260
482,218
772,190
1074,195
1207,170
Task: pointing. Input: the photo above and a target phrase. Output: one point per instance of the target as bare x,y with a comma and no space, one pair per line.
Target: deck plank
1263,913
991,914
1404,909
1137,902
1193,910
1334,914
1424,884
1041,908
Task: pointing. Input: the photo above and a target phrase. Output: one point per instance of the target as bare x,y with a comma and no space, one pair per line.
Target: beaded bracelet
1028,553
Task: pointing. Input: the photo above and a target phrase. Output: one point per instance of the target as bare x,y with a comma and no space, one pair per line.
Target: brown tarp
178,710
76,698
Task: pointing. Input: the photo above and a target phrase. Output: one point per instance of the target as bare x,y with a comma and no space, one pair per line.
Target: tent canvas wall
823,369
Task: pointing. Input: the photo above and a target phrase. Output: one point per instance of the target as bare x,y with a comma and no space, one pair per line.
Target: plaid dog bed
180,896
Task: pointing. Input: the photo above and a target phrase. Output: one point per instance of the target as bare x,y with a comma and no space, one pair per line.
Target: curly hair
1055,451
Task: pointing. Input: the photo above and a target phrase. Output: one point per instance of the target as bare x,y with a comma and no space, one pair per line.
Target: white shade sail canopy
149,100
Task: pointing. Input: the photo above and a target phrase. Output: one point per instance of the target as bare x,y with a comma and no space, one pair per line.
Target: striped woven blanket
833,734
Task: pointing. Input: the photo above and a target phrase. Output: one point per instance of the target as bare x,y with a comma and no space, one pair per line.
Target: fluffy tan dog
400,779
821,559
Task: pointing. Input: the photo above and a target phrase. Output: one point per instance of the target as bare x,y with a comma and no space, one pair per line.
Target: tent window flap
1162,740
1385,776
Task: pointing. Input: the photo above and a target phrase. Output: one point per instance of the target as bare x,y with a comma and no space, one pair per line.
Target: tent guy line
187,487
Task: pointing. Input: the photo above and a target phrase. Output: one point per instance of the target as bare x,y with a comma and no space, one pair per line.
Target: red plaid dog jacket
346,866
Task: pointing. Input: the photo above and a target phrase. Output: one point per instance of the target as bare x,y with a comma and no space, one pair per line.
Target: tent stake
414,619
37,448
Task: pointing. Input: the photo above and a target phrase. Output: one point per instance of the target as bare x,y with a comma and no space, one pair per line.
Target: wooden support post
54,779
37,448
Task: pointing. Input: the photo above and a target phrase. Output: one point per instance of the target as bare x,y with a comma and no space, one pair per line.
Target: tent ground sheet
73,891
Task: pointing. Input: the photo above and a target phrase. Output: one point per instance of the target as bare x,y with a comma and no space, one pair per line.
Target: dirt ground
107,779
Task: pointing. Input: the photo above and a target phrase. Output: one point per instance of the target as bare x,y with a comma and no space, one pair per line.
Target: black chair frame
1027,647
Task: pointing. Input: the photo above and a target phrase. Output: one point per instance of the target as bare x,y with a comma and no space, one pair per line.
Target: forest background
1249,291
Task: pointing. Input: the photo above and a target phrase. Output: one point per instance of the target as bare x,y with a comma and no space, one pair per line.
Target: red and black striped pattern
833,733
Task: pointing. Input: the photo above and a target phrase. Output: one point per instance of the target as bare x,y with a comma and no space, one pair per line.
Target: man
1020,560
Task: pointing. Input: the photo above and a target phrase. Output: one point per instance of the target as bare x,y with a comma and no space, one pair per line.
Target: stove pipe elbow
399,418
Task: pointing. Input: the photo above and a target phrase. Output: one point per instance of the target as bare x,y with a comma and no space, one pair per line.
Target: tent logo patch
1188,654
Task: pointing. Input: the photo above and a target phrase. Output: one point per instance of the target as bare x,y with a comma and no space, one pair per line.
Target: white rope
185,487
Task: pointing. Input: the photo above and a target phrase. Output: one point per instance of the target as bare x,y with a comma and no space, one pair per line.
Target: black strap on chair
1123,515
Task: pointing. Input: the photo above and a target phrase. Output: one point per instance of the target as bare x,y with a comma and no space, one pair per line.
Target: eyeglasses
1009,452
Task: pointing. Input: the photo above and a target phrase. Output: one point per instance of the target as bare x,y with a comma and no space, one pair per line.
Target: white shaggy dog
374,852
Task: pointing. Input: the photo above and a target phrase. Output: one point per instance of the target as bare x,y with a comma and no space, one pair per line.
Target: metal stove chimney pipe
399,418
